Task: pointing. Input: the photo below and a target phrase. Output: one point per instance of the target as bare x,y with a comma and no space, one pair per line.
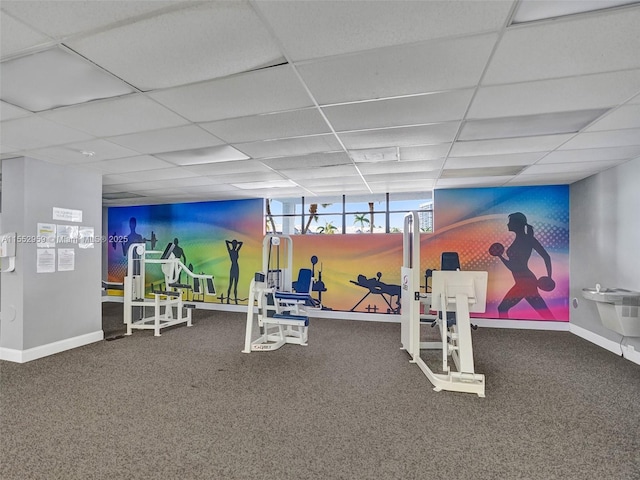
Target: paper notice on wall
66,259
46,260
67,214
46,235
85,237
68,233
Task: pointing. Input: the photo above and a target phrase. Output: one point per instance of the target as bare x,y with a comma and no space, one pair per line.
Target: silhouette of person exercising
178,252
233,247
133,237
518,254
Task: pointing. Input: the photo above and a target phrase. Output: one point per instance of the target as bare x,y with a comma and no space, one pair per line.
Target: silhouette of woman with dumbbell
517,260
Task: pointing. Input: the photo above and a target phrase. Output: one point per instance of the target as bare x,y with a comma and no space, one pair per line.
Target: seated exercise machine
282,304
451,291
167,302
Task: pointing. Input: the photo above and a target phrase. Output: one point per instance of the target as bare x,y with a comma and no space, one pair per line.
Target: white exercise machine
461,292
282,303
166,302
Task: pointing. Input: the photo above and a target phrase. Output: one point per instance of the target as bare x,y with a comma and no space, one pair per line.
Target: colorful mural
205,233
520,235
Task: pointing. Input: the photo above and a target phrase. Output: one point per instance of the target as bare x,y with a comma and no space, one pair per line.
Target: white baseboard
599,340
630,353
22,356
521,324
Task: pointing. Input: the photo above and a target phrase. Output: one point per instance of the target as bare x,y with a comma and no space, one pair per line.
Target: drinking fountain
619,308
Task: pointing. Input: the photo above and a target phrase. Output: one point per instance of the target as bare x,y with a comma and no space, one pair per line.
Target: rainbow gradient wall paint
202,230
361,272
469,221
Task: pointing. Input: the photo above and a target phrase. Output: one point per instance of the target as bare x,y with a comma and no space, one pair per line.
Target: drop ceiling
179,101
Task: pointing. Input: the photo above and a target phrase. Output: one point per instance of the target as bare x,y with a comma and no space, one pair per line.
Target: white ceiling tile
401,177
187,182
220,153
375,155
294,123
210,189
396,71
313,160
413,110
167,139
16,36
73,153
9,112
571,167
424,152
533,10
210,40
37,132
131,164
63,18
528,125
568,46
275,192
493,160
146,175
592,154
263,91
162,192
413,76
320,174
548,179
318,29
557,95
615,138
60,77
290,147
404,186
427,164
115,179
107,118
251,176
354,189
265,184
401,136
396,168
500,171
508,145
236,167
472,182
627,116
114,189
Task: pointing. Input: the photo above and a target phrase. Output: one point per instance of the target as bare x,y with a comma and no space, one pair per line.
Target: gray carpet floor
190,405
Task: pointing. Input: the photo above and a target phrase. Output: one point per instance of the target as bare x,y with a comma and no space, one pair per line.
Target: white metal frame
455,340
168,306
281,316
276,328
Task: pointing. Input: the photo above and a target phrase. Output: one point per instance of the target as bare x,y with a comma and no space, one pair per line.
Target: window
382,213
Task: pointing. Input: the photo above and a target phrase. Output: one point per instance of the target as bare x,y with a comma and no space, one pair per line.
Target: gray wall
605,240
49,307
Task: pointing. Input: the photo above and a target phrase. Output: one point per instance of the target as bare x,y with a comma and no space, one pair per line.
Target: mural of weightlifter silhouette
517,261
